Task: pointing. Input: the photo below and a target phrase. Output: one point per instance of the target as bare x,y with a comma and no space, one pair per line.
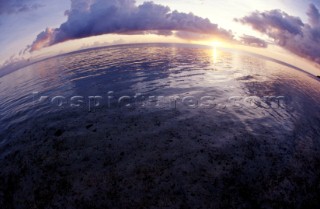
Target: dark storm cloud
289,31
253,41
16,6
96,17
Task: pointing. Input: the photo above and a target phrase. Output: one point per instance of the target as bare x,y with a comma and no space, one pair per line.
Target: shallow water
172,126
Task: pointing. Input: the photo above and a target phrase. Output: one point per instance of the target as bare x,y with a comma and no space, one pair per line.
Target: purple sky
30,25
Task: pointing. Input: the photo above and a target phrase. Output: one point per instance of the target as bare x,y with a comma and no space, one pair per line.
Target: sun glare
216,43
215,54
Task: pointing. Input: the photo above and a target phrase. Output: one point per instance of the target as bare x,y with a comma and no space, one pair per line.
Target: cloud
314,16
12,64
96,17
288,31
273,22
17,6
45,38
193,36
253,41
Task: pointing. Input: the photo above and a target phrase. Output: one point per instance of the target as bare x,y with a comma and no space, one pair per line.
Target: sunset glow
176,104
229,29
217,44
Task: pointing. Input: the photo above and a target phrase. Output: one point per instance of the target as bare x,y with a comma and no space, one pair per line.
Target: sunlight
216,44
215,55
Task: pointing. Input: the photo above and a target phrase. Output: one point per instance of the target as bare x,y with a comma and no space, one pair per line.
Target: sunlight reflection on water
166,70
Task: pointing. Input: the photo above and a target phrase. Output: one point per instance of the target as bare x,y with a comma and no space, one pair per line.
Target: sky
32,29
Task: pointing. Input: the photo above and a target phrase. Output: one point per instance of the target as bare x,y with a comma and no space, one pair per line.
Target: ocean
159,124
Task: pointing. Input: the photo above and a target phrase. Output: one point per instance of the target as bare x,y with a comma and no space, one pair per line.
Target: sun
216,43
